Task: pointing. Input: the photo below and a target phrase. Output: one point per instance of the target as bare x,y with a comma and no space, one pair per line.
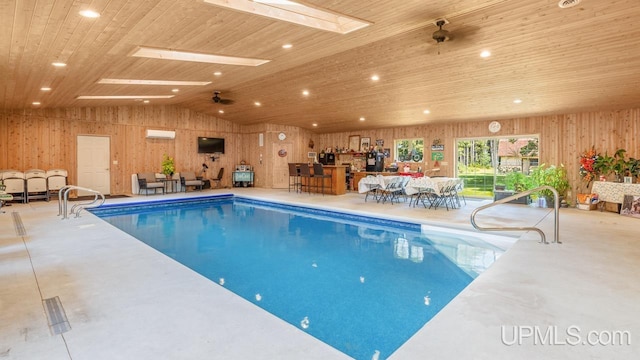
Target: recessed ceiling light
287,46
295,13
58,64
314,125
175,90
517,101
565,4
89,14
45,88
485,54
152,82
221,111
305,92
121,97
362,118
375,77
217,73
146,101
426,112
257,103
35,103
164,54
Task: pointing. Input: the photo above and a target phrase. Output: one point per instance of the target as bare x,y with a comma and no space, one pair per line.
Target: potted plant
633,168
619,164
554,176
168,165
514,182
517,181
603,164
588,165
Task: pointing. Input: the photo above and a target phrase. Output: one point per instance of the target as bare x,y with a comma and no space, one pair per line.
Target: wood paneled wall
562,137
46,139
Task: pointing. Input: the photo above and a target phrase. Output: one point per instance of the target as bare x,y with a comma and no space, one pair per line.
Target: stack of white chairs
14,183
36,184
56,180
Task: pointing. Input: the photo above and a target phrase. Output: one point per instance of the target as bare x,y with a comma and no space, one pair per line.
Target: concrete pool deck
124,300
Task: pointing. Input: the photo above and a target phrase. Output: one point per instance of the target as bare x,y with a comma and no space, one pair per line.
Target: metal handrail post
63,200
556,209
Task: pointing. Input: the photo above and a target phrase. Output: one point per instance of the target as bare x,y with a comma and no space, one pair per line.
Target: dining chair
374,187
459,188
391,191
218,179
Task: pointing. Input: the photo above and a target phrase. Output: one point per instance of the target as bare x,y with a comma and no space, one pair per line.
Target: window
409,150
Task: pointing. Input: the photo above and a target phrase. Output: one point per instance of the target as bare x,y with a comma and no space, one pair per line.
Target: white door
93,154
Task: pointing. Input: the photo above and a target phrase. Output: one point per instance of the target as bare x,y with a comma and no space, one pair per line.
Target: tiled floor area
124,300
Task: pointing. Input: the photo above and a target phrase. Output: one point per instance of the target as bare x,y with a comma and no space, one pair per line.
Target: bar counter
336,185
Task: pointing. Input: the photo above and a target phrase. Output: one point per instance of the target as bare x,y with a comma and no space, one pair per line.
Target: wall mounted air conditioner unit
160,134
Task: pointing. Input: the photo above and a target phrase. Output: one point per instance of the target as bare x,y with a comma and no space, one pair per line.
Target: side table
171,185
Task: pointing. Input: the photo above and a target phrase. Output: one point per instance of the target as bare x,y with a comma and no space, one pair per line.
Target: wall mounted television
207,145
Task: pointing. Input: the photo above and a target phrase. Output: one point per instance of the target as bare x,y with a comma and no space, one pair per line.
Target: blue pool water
361,285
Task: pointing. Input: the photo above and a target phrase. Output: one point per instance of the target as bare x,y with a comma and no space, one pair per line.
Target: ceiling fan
440,35
218,100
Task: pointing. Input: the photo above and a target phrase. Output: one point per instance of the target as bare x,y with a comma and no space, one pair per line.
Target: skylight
296,13
166,54
121,97
152,82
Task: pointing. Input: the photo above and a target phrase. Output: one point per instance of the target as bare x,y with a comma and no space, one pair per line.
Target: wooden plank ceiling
555,60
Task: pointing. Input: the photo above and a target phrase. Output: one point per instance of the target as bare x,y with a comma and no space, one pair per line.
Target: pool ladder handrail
556,208
63,200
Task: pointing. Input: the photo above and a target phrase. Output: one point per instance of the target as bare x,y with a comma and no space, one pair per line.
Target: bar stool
294,177
318,173
305,172
347,172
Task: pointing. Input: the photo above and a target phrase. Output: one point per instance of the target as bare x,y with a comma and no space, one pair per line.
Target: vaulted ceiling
554,60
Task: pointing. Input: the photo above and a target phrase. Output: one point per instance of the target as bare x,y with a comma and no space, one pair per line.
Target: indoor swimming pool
362,285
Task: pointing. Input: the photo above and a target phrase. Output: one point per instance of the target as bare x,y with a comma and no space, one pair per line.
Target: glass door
495,163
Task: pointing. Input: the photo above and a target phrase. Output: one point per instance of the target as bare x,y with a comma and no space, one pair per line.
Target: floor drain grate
17,224
56,316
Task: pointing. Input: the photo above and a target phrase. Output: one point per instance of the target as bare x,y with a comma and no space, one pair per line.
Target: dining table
369,183
433,189
380,187
416,185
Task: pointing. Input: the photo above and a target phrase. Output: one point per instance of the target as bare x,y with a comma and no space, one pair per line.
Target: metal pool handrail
63,200
556,208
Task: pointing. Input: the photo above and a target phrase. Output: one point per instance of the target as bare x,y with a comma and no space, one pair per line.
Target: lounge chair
148,181
188,178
